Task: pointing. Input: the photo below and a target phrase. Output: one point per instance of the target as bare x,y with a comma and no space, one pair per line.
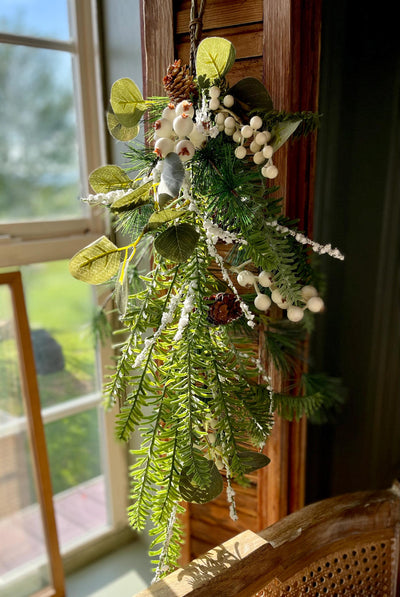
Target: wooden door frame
35,429
291,43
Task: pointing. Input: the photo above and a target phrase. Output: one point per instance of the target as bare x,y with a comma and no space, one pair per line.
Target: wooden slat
247,39
220,13
157,44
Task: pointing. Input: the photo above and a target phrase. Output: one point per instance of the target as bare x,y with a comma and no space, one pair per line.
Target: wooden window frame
35,430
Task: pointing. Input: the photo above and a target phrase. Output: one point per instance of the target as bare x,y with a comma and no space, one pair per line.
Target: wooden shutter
276,41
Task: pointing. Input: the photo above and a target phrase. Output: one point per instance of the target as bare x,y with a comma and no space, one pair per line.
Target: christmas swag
225,267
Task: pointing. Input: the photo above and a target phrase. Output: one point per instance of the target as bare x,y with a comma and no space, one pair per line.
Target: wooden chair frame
263,564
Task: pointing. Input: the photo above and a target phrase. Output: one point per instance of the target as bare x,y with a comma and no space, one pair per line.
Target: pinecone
178,82
224,309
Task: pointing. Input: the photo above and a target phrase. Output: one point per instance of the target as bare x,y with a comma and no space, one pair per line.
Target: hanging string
195,30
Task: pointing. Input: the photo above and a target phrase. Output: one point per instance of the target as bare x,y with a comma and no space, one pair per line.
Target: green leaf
177,243
119,131
137,198
173,173
252,94
161,217
127,102
215,57
109,178
281,133
200,495
251,461
96,263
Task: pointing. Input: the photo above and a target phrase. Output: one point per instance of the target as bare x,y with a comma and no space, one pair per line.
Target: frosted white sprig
186,310
203,120
106,198
230,492
162,566
304,240
215,233
166,319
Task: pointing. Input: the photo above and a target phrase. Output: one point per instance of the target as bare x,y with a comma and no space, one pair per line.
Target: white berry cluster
250,139
175,132
309,295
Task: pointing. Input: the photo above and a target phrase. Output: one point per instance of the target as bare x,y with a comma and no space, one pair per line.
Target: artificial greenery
189,379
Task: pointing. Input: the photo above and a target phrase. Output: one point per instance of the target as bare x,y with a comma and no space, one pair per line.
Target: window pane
60,311
39,18
39,164
22,544
73,446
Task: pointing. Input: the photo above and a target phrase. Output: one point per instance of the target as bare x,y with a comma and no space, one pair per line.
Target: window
51,137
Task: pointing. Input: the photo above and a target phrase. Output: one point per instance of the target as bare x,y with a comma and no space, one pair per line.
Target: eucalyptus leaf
173,174
127,102
177,243
215,57
251,461
252,94
191,492
135,199
96,263
119,131
281,133
109,178
161,217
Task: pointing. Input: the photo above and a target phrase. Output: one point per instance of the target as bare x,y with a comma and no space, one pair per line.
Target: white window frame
24,242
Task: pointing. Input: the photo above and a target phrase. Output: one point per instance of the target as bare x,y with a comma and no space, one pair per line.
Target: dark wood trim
30,394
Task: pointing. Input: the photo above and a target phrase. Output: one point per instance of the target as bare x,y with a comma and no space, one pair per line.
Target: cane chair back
347,545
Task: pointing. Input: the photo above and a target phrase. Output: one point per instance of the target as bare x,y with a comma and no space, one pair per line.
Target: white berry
295,313
315,304
229,131
258,158
240,152
163,147
308,291
245,278
261,139
228,101
163,127
219,118
237,137
268,135
229,122
262,302
268,151
269,171
246,131
254,147
256,123
279,299
169,112
265,279
185,149
183,125
214,103
214,92
184,107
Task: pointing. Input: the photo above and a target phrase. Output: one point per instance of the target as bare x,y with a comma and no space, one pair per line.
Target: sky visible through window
40,18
